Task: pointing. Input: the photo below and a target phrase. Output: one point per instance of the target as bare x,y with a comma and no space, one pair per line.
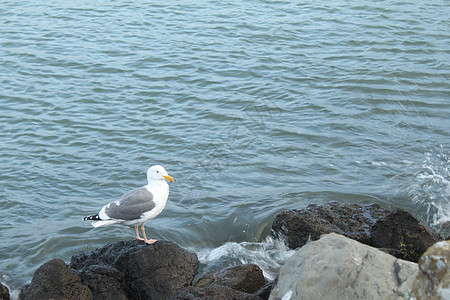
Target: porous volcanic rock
403,233
157,271
105,282
216,292
352,220
265,290
106,255
138,271
55,280
4,292
246,278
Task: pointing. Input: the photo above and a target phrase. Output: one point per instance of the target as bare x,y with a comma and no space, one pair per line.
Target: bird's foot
139,238
150,241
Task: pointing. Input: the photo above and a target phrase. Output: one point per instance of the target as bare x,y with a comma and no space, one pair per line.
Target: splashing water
431,188
270,255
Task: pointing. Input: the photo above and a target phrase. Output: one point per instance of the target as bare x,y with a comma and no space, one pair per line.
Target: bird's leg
137,233
147,241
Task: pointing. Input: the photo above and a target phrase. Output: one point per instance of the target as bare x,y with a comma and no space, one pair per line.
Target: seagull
138,205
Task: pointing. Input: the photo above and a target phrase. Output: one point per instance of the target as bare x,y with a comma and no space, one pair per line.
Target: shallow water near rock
254,107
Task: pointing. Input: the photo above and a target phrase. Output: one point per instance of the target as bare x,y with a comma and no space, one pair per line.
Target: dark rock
405,234
137,270
244,278
4,292
55,280
351,220
105,282
106,255
264,291
216,292
157,271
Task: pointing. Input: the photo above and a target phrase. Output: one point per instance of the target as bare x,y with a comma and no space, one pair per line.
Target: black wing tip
92,218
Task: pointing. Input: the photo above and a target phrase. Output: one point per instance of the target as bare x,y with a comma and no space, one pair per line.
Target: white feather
102,223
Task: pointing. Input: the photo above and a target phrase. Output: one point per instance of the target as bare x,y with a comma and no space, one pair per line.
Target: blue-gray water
252,106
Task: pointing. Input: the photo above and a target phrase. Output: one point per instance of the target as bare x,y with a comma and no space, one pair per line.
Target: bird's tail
99,222
92,218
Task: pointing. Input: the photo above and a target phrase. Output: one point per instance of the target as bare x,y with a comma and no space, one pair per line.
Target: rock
433,280
351,220
264,291
105,282
105,255
443,229
137,270
216,292
405,234
244,278
157,271
4,292
55,280
398,233
336,267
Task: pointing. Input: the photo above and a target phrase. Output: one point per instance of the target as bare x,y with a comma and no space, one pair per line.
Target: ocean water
254,107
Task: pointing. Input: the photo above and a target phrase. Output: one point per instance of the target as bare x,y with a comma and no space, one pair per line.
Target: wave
270,255
431,188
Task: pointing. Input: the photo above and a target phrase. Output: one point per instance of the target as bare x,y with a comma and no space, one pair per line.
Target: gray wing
131,205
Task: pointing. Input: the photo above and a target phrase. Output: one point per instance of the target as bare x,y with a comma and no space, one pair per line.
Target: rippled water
252,106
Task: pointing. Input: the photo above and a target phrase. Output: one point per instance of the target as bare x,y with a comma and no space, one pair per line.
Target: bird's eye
157,172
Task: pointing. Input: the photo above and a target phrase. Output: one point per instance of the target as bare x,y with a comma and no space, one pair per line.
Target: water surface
253,107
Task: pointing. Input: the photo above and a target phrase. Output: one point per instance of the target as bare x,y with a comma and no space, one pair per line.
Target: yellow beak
168,177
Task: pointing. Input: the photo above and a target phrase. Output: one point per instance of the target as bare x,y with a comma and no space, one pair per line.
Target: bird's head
156,173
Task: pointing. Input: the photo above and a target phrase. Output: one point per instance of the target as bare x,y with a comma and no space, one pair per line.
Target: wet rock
245,278
336,267
406,235
216,292
106,255
443,229
4,292
55,280
264,291
352,220
105,282
157,271
433,280
139,271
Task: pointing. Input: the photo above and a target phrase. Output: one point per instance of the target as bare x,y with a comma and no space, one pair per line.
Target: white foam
431,186
269,255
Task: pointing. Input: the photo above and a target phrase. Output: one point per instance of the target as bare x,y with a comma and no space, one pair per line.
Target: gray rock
246,278
55,280
443,229
336,267
4,292
352,220
216,292
433,280
404,235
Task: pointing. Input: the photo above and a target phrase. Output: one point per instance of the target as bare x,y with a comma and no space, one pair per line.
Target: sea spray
431,188
270,255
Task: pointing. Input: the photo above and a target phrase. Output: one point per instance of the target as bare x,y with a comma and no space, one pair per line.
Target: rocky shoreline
343,251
